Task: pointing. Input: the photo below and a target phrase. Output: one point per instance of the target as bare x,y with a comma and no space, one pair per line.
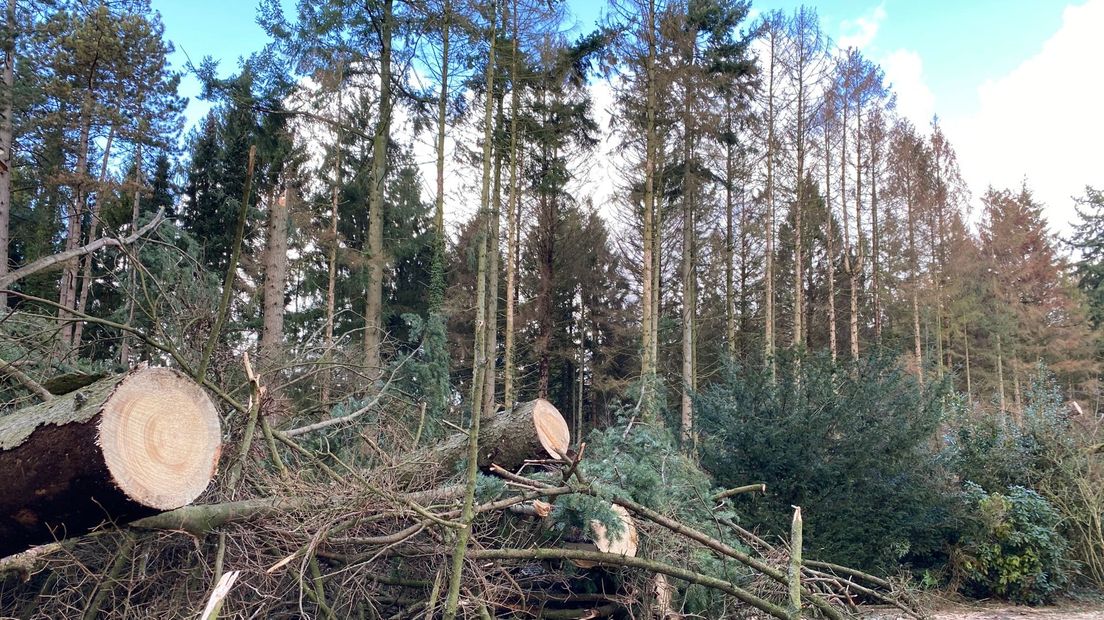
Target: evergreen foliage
847,442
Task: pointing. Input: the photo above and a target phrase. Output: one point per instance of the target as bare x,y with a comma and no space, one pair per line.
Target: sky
1017,84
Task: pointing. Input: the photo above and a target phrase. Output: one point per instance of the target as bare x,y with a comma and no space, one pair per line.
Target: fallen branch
9,369
58,259
747,488
634,562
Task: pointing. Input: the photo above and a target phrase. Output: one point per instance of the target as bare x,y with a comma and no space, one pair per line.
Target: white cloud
1042,120
859,32
905,72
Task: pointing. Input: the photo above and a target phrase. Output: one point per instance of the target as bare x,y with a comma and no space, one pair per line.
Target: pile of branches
321,537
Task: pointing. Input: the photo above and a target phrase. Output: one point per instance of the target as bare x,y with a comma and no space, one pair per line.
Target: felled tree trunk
531,430
124,447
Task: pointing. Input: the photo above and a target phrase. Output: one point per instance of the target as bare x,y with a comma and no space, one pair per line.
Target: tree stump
124,447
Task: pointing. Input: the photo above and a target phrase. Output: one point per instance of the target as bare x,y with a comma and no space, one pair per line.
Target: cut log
625,544
532,430
124,447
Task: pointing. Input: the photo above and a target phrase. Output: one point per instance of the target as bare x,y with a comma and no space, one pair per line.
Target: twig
232,268
302,430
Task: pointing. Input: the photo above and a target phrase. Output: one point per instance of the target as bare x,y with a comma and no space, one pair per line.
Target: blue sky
1016,82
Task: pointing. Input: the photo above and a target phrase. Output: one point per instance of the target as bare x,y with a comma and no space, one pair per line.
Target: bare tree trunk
481,330
6,131
331,255
136,211
377,258
875,250
93,233
512,236
1000,376
860,258
848,263
966,345
275,265
650,267
768,277
830,250
68,293
730,174
657,253
437,294
494,227
915,277
799,210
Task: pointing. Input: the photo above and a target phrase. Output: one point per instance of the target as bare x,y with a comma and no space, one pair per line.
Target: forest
451,309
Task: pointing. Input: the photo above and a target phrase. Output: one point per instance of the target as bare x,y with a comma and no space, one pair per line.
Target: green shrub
1010,546
851,443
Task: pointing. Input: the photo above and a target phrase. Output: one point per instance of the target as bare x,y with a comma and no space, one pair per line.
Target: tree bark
275,277
531,430
438,282
833,346
124,447
334,242
68,293
93,232
650,267
6,131
768,277
512,236
377,258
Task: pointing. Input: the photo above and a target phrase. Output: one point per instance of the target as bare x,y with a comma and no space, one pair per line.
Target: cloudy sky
1017,84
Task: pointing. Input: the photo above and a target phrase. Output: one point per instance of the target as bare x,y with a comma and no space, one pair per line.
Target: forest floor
999,612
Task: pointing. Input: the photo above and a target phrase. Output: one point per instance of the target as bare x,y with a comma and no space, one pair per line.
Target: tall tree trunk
848,262
833,347
135,213
6,131
334,242
799,210
1000,376
494,227
275,266
439,281
512,236
730,175
768,277
969,383
650,267
93,233
657,253
875,251
480,363
377,258
915,281
68,293
856,272
689,239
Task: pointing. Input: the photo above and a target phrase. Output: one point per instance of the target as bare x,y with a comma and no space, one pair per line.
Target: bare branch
54,260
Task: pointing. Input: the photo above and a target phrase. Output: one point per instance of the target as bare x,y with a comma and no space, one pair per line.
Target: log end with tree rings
159,433
624,545
125,447
552,430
